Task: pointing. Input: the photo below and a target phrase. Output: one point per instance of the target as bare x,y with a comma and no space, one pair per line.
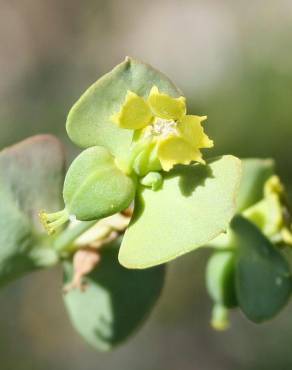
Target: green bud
153,180
221,286
143,158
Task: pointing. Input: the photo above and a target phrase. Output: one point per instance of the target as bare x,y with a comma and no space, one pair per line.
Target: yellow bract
176,138
175,149
165,106
135,113
192,130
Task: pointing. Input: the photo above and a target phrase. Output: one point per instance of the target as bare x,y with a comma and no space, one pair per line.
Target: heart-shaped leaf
31,176
116,300
89,121
255,172
194,205
263,278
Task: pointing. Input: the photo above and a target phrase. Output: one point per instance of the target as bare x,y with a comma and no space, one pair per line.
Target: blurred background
233,61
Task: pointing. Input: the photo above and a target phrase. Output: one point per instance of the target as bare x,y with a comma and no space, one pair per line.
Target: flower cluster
164,135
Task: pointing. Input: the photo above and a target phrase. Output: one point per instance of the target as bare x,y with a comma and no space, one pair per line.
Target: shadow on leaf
190,177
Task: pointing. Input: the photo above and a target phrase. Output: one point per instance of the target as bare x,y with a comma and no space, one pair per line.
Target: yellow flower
271,214
161,124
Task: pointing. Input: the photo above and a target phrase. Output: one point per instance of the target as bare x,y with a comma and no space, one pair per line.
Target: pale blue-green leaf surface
95,187
194,205
89,122
31,176
116,301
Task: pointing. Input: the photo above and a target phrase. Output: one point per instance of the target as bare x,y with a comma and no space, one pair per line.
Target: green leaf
94,186
255,172
89,122
263,278
193,206
31,176
116,300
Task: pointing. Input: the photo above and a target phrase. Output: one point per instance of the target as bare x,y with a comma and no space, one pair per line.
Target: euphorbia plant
139,195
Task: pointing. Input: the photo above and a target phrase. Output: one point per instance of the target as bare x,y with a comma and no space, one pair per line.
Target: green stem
68,236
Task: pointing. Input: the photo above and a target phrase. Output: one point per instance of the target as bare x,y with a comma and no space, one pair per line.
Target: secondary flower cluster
271,214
